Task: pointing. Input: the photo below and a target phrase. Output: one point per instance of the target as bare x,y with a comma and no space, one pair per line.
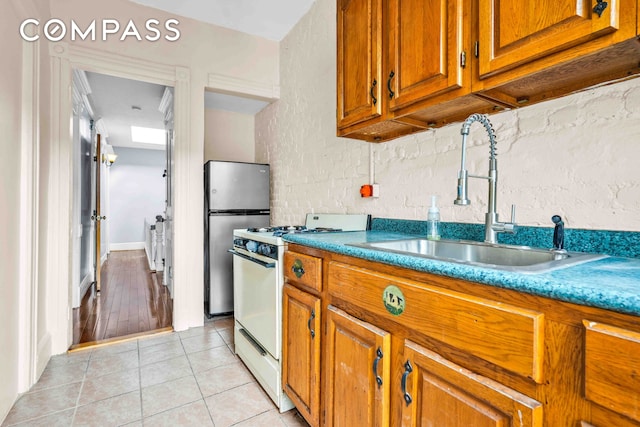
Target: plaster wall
229,136
24,99
203,47
576,156
10,106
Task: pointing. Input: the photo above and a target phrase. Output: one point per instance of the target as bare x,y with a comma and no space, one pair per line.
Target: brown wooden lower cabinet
438,392
357,374
612,368
378,345
301,352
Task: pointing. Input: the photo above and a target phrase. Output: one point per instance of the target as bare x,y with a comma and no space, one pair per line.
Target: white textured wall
576,156
136,191
228,136
10,107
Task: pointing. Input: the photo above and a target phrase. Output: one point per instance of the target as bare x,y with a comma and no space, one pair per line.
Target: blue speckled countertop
611,283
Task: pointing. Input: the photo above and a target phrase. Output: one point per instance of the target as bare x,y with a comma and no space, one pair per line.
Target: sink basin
522,259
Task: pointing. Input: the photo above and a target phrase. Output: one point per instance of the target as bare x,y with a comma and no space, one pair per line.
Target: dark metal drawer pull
407,370
313,316
373,86
600,7
391,92
379,356
297,268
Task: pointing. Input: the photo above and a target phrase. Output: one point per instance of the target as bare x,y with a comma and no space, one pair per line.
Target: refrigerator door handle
257,261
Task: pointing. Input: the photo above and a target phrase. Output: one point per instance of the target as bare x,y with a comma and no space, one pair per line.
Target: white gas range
258,279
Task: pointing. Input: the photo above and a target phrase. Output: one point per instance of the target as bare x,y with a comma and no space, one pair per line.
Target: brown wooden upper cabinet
513,33
425,49
532,51
409,65
359,58
418,57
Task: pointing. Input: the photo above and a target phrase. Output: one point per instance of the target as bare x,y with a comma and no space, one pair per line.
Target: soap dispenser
433,221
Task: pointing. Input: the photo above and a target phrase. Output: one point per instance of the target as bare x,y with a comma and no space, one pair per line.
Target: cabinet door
611,367
359,61
437,392
425,49
301,352
513,32
357,374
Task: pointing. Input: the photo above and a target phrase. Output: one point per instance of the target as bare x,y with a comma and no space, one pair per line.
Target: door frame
64,58
29,347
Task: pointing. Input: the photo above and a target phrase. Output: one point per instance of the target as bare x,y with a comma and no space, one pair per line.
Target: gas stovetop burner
290,228
282,228
303,229
259,229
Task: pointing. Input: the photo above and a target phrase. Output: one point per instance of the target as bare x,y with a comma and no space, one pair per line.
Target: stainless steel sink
522,259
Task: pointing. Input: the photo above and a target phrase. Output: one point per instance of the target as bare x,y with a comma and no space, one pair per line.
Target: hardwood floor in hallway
132,300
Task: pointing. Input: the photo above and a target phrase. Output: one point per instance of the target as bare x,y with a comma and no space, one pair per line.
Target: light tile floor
190,378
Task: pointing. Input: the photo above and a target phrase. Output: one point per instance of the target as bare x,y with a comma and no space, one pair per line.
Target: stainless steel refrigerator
236,196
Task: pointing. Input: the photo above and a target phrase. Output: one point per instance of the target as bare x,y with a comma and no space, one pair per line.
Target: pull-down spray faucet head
463,174
463,196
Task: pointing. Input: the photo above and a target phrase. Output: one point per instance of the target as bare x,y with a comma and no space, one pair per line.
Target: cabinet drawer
504,335
612,368
303,269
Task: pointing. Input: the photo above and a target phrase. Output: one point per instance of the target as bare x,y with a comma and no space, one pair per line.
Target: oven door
255,298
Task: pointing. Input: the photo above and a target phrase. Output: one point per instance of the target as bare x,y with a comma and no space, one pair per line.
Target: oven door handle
253,342
257,261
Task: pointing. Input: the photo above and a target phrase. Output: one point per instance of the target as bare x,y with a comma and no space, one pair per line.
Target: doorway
187,275
133,296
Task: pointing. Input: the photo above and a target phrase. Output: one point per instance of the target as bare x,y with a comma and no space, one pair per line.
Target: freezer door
219,263
236,186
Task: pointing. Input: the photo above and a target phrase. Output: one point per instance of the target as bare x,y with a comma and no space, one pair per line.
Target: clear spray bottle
433,221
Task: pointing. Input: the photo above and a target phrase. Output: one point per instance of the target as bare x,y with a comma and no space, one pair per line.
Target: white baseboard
152,265
85,285
43,354
129,246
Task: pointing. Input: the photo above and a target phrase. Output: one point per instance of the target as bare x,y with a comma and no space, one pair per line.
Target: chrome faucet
492,225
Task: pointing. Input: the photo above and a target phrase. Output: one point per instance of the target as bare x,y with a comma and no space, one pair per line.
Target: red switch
366,190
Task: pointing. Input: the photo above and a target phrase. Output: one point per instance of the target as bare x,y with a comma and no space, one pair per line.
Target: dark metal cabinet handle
311,331
373,86
297,268
407,370
379,356
391,92
600,7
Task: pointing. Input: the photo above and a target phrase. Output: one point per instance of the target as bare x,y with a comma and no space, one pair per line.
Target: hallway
132,300
189,378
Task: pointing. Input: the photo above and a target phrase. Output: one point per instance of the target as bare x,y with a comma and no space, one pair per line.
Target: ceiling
112,98
271,19
122,103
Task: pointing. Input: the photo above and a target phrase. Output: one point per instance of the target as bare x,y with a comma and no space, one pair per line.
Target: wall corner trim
236,86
